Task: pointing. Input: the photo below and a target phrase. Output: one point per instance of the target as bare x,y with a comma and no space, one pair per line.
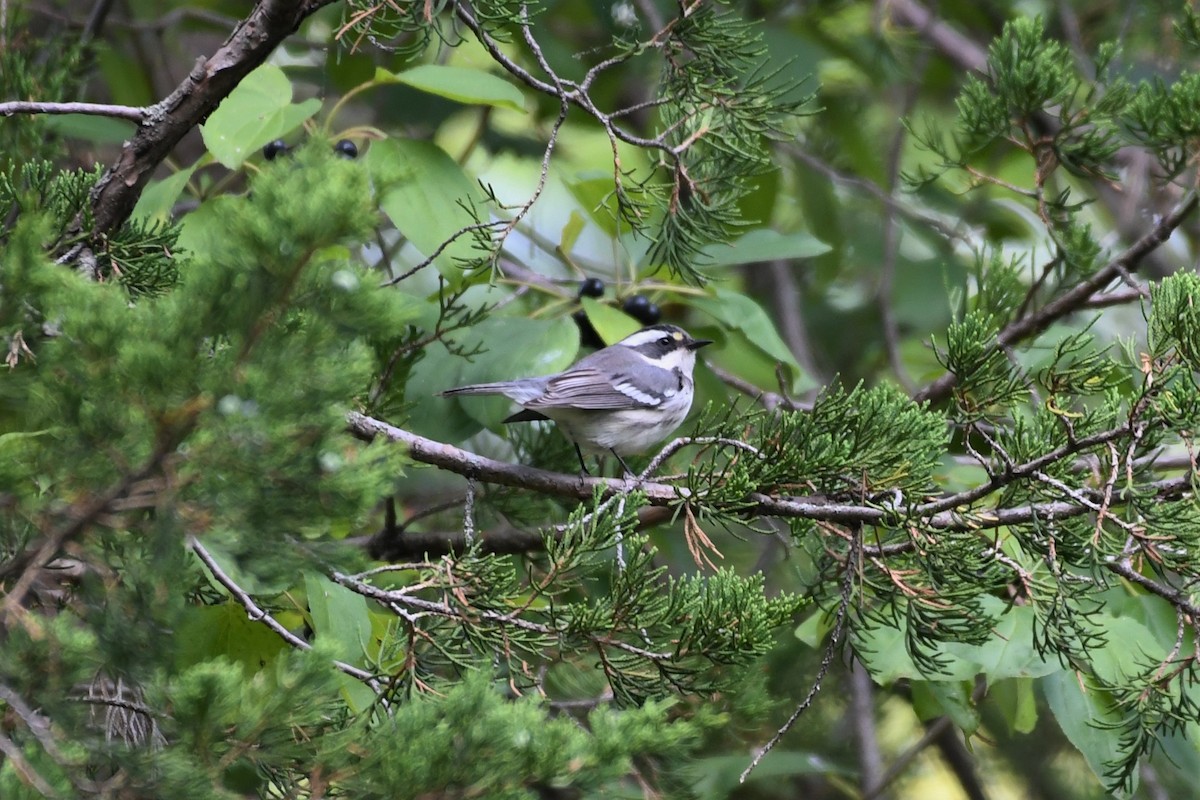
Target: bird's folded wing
587,388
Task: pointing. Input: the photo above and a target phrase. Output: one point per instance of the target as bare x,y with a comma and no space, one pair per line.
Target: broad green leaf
1087,718
1009,653
200,230
594,191
14,442
1129,648
1181,750
514,347
339,616
612,324
736,354
1015,699
764,245
258,111
91,128
460,84
159,197
517,348
225,630
814,629
737,311
424,193
932,699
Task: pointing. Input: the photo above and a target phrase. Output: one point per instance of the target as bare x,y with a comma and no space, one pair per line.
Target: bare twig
845,595
258,614
94,109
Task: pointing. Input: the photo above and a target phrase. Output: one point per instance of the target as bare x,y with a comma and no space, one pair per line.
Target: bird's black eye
666,341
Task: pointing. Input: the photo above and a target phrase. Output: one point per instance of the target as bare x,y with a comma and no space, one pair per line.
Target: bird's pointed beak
696,344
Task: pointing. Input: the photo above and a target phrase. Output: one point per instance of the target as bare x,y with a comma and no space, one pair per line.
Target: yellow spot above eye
677,336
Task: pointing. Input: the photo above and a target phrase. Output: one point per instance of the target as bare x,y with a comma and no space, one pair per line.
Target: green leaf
159,197
737,311
258,111
718,777
612,324
1087,718
424,193
1129,647
1016,701
460,84
14,441
91,128
339,616
207,632
764,244
814,629
932,699
570,232
517,347
1010,652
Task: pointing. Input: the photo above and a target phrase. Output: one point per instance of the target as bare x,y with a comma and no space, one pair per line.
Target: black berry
639,307
591,287
272,149
347,148
652,315
587,333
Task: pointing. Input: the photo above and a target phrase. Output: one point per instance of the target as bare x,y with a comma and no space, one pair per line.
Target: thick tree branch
210,81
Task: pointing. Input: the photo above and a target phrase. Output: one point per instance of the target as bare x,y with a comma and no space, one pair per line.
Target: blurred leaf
570,232
1015,699
737,311
814,629
932,699
611,323
1009,654
517,348
764,245
159,198
128,82
1129,647
461,84
594,191
423,195
208,632
258,111
1087,718
348,70
90,128
339,616
514,347
719,777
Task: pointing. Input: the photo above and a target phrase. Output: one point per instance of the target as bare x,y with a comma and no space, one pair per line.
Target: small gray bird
618,400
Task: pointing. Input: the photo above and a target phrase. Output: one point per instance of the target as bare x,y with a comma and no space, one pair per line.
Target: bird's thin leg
582,465
628,472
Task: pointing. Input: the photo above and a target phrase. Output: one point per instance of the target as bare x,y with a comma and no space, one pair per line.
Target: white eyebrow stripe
634,393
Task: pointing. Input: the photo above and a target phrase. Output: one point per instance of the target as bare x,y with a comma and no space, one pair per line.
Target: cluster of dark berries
637,306
344,148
